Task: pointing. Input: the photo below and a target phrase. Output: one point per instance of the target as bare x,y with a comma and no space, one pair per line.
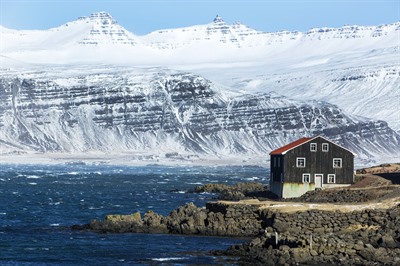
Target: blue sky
141,17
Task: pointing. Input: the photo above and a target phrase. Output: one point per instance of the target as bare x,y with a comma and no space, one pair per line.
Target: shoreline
129,159
278,237
149,159
282,232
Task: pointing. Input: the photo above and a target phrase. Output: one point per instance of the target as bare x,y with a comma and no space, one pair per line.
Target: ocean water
39,203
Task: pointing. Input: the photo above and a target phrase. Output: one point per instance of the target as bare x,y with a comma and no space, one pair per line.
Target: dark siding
319,162
277,170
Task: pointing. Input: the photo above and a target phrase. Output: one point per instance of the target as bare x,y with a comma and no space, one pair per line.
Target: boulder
129,218
300,255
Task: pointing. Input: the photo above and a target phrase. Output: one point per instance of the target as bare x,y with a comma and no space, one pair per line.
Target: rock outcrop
189,219
355,231
238,191
363,237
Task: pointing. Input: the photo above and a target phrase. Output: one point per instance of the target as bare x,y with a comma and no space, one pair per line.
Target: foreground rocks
286,233
365,237
215,220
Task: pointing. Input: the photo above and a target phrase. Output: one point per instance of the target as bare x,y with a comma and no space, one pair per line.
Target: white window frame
333,177
340,163
305,178
313,147
297,162
325,147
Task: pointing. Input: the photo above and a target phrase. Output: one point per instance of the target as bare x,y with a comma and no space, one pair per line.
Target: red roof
289,146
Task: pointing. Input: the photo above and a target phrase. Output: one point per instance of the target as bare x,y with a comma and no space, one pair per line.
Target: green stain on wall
293,190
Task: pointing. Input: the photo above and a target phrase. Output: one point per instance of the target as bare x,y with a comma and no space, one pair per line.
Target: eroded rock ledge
216,219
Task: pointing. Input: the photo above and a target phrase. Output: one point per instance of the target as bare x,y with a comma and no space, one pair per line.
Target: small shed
308,164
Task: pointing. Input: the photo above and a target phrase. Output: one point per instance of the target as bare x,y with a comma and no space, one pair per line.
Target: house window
274,161
313,147
337,162
306,178
279,162
331,178
325,147
301,162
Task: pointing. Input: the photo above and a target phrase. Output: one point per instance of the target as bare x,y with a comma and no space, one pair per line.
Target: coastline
149,158
133,159
283,232
280,236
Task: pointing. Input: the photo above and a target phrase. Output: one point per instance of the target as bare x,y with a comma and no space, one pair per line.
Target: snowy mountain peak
218,19
106,30
102,18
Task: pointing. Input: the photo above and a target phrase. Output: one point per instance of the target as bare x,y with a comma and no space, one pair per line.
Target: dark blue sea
38,204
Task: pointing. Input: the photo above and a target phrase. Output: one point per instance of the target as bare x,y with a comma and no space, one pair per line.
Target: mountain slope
163,110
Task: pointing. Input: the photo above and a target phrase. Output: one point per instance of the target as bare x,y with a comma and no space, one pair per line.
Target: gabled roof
284,149
299,142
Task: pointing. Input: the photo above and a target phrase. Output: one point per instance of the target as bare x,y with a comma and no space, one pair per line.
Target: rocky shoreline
362,232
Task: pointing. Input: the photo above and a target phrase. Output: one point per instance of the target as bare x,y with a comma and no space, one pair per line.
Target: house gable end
284,149
332,143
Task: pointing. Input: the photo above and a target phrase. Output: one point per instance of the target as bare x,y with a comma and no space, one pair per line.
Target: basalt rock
234,220
365,237
237,191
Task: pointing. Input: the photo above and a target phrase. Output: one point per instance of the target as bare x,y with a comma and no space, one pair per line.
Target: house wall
276,166
276,188
319,162
294,190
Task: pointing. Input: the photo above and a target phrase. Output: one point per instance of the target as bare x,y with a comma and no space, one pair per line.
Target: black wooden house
308,164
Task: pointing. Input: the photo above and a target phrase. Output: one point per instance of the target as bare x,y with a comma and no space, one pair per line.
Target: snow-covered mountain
216,42
163,110
49,101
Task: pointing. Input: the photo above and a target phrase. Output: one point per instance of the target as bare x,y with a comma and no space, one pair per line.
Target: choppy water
39,203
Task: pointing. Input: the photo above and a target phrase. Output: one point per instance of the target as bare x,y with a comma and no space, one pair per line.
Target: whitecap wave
95,208
252,178
179,191
73,173
33,177
168,259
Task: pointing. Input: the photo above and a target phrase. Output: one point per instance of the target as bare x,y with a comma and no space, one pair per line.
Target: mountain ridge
102,23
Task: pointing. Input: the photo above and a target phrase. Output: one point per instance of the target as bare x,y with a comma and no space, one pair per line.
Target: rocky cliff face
158,110
105,30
